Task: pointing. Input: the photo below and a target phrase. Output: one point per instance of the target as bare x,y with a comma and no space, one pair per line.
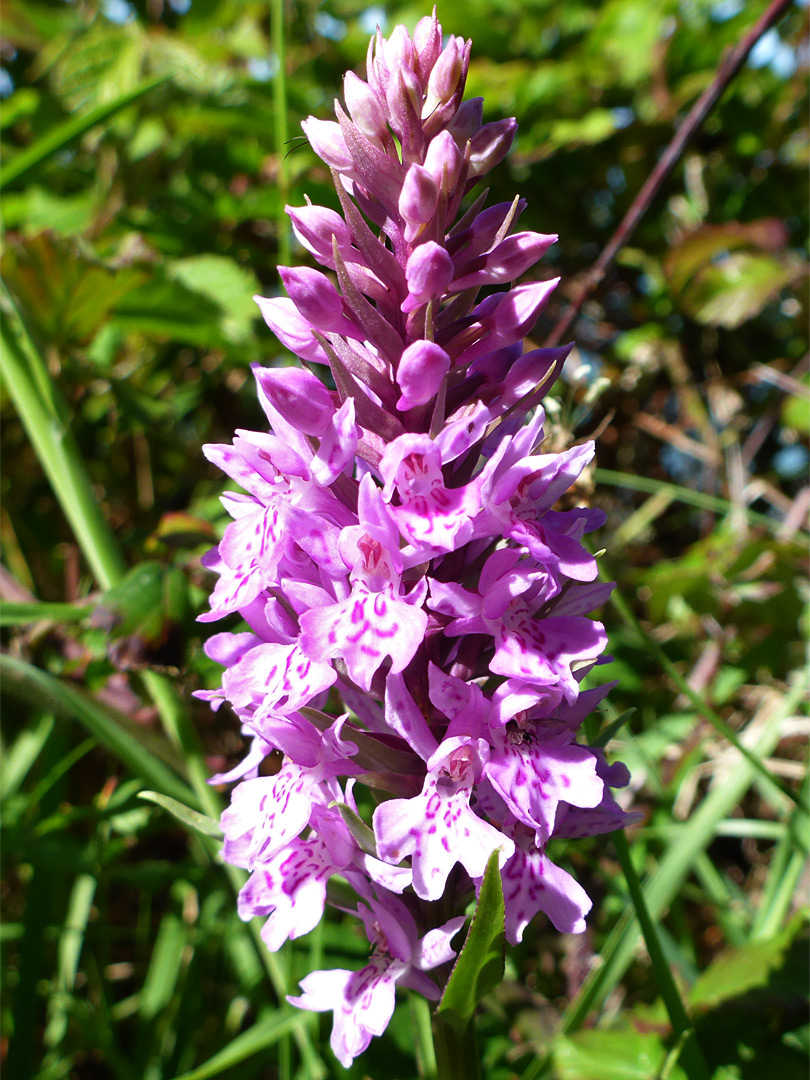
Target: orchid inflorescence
417,608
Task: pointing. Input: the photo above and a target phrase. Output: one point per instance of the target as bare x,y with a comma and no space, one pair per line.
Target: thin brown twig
729,66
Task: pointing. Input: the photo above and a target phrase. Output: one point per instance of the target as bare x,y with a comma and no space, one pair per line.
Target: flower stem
457,1056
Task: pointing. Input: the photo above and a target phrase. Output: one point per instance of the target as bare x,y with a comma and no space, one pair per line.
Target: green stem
281,130
457,1056
691,1056
423,1037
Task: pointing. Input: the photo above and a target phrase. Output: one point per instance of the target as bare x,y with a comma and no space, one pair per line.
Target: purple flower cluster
417,608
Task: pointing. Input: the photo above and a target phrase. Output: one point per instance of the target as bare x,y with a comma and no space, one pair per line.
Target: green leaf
748,967
64,134
480,964
192,819
258,1038
227,284
12,614
136,748
626,1054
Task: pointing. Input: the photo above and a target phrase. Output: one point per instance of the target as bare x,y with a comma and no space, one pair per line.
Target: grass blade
717,722
65,133
191,819
114,731
258,1038
691,1056
19,614
71,942
18,761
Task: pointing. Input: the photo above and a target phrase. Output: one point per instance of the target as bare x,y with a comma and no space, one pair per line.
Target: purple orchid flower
417,602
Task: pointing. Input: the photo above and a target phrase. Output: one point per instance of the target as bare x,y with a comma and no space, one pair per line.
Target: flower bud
427,40
299,397
506,262
419,197
422,368
491,145
519,309
326,139
443,161
315,226
428,272
467,121
398,50
445,75
364,106
291,329
315,297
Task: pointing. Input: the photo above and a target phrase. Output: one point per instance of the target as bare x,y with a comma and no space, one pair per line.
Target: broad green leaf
626,1054
227,284
166,308
739,287
64,295
38,210
480,964
192,819
708,242
745,968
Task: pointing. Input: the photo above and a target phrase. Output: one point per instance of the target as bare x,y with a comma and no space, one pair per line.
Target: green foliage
143,209
480,963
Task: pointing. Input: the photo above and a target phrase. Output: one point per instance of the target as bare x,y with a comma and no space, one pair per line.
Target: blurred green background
134,236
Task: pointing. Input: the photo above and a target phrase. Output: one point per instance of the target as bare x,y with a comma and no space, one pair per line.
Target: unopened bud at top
364,106
445,76
427,40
